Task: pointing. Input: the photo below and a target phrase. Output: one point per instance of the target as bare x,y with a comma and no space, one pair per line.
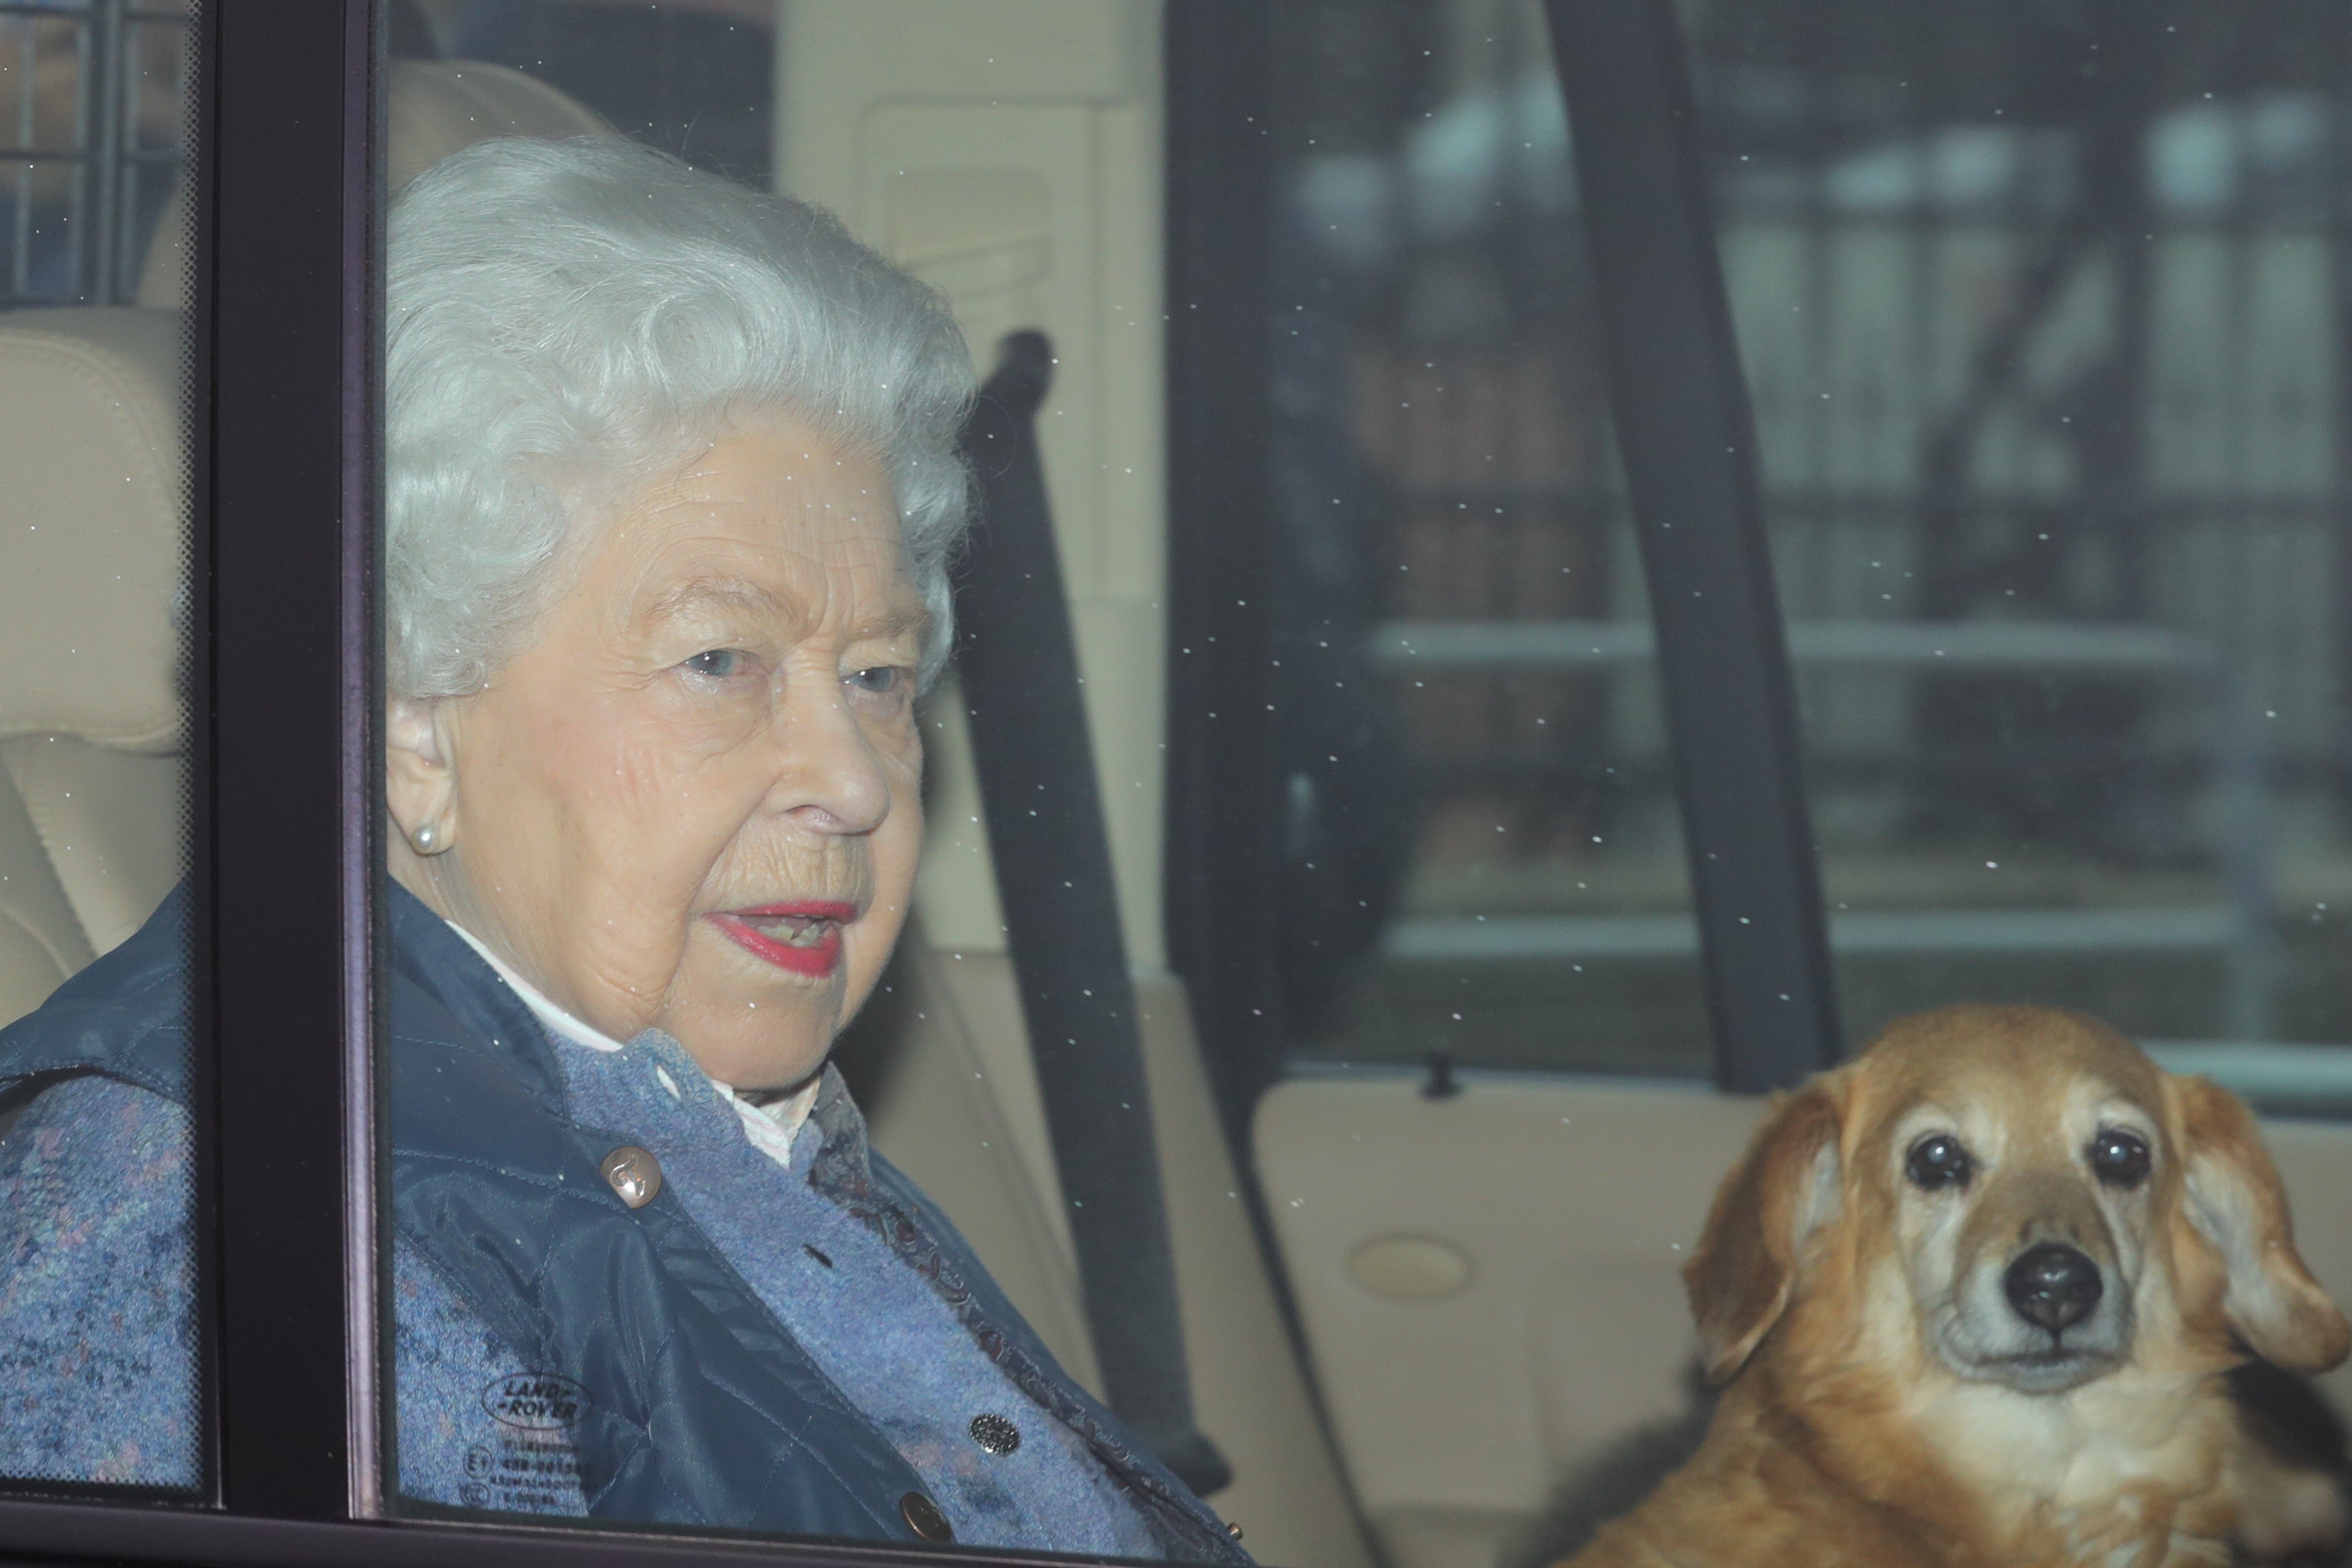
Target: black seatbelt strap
1686,437
1018,663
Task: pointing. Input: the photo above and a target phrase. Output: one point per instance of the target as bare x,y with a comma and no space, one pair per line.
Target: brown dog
1977,1292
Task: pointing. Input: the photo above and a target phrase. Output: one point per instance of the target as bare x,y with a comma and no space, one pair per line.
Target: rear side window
2043,331
2048,413
1481,856
683,310
102,439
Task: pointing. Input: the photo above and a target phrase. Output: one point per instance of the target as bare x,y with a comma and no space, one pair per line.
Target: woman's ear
420,778
1785,1188
2235,1202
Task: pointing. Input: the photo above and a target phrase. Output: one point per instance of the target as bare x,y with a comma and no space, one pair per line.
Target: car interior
1427,1276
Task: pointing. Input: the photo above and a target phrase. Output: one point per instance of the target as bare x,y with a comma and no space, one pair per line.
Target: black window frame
287,730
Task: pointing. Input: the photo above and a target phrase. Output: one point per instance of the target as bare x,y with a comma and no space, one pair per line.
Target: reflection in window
2042,321
695,79
99,1358
93,101
1483,857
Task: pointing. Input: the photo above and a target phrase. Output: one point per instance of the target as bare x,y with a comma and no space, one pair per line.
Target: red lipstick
802,937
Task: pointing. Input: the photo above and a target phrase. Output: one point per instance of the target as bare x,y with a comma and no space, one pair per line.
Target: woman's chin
772,1038
757,1067
752,1024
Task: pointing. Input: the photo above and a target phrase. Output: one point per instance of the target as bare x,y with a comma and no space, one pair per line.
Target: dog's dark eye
2119,1158
1938,1161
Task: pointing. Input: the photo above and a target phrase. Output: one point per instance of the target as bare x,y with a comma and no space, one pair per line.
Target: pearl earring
426,839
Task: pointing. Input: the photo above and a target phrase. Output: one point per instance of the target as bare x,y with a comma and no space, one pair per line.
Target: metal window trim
367,1355
46,1531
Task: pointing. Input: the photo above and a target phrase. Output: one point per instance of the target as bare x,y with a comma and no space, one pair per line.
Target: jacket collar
125,1015
428,953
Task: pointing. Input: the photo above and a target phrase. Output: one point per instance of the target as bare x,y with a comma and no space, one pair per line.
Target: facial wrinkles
661,797
863,758
637,779
586,782
770,854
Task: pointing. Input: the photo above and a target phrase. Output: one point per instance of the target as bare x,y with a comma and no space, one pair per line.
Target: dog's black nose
2053,1285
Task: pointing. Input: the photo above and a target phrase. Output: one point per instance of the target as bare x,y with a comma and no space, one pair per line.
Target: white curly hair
566,319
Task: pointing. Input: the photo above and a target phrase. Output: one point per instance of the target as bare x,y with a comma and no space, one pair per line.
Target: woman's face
693,803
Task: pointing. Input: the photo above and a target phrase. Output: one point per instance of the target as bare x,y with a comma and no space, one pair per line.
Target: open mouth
802,937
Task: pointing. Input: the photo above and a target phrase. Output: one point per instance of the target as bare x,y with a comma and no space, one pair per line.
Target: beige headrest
436,107
93,525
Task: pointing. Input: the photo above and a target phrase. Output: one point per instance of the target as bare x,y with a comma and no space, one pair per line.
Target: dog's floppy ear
1784,1188
2235,1202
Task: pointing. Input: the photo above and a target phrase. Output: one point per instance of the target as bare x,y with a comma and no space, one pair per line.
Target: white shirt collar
555,1017
771,1126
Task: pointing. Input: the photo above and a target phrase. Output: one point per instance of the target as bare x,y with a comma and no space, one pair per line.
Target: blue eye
882,680
718,663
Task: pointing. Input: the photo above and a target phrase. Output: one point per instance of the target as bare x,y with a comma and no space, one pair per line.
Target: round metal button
924,1518
995,1434
634,1173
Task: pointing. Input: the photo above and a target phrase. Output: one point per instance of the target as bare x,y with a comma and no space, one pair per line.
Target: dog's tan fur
1840,1300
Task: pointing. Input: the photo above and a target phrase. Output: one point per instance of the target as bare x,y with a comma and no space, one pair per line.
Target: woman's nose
828,775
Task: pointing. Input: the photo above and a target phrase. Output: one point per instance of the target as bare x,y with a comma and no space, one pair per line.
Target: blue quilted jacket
691,1404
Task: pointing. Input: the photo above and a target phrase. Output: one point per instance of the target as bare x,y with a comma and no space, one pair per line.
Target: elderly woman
672,485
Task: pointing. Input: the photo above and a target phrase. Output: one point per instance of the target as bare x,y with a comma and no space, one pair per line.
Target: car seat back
93,574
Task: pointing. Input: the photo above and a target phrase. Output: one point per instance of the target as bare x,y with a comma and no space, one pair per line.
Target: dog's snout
2053,1285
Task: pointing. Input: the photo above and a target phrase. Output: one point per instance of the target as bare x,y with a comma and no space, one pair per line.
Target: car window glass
1482,856
673,488
2037,312
99,1329
2048,633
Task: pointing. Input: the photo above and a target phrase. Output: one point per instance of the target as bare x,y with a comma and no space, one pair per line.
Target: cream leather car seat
93,553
